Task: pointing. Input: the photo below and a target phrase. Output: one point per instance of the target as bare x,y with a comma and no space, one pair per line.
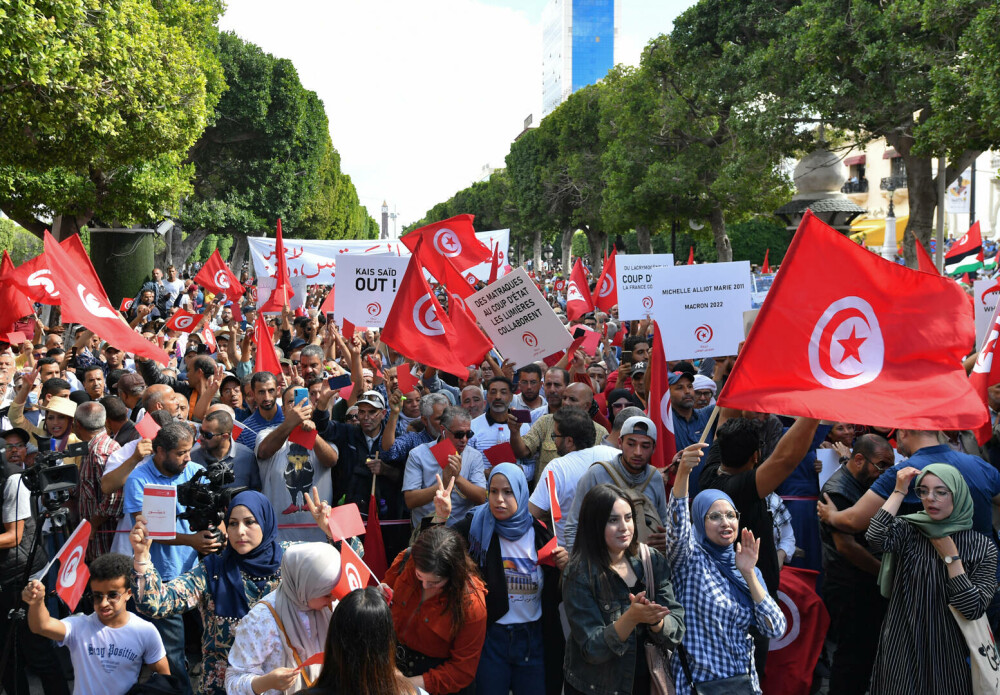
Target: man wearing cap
630,469
689,422
639,382
231,394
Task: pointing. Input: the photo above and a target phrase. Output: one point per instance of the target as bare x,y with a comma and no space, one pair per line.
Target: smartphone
523,416
579,332
627,357
301,394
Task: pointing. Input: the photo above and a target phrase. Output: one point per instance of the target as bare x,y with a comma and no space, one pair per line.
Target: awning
872,230
854,161
891,153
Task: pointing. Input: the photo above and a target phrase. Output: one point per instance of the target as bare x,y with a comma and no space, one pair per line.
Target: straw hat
63,406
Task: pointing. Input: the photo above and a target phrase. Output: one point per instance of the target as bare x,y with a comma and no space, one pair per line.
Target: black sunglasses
462,434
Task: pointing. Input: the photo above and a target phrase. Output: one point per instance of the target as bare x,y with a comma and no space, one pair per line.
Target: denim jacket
596,660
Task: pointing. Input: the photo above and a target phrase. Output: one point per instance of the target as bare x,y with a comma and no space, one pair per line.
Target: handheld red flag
126,304
660,410
986,373
13,304
859,340
691,256
452,241
471,345
495,265
216,277
147,427
306,438
405,379
283,288
183,321
578,300
554,508
34,277
354,573
545,553
500,453
924,260
327,307
73,571
606,292
766,268
87,304
374,546
345,522
267,357
442,450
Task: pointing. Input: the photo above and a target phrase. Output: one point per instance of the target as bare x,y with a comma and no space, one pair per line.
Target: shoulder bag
657,658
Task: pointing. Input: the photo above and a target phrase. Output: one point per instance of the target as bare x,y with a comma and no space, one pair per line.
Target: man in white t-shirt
109,647
173,286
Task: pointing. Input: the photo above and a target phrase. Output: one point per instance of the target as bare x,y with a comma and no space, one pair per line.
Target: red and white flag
660,410
858,339
73,575
34,277
183,321
85,303
14,305
267,357
452,241
793,656
216,277
470,344
283,288
606,292
578,300
554,508
209,338
354,573
986,373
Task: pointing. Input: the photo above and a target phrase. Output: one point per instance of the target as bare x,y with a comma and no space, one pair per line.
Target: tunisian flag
88,305
216,277
606,293
660,410
183,321
74,574
858,339
267,356
452,241
471,345
924,260
418,327
283,289
578,300
13,304
34,277
793,656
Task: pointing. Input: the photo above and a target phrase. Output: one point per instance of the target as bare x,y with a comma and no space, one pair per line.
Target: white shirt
567,471
286,478
107,660
173,288
120,543
421,467
524,580
519,404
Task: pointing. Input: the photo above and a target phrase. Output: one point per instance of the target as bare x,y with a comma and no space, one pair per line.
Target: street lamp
889,241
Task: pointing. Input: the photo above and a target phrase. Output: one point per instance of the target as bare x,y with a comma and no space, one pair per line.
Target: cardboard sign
985,294
703,305
518,320
159,507
366,288
635,283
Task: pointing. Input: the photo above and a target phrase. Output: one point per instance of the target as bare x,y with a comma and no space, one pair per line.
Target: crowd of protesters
573,566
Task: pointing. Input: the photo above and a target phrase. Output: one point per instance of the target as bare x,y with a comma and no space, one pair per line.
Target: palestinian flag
991,263
966,254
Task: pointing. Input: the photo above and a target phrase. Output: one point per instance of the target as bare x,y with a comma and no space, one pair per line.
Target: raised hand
33,593
690,457
442,499
747,550
140,540
320,510
904,477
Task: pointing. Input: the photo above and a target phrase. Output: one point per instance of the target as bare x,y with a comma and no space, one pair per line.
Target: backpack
647,519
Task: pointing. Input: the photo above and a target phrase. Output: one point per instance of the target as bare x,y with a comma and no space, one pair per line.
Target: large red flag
283,288
924,260
13,304
417,325
471,345
216,277
374,547
578,300
606,293
660,410
34,277
857,339
766,269
267,357
449,241
793,656
86,304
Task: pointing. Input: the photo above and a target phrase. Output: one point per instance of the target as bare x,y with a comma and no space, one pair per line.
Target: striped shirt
93,502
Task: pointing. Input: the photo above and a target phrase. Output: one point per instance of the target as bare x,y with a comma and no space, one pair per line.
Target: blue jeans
171,631
513,659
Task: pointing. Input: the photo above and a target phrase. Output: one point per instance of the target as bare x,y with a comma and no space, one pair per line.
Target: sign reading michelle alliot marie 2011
985,294
700,308
366,288
517,319
634,275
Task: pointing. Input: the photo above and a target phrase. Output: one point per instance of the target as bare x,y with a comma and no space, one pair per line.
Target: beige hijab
308,571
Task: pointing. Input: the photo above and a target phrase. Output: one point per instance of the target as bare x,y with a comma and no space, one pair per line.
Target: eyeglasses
112,596
879,466
938,493
462,434
719,516
348,418
208,436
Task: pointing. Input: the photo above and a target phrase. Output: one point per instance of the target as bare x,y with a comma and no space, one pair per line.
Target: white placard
700,308
518,320
985,294
634,275
159,507
366,288
831,462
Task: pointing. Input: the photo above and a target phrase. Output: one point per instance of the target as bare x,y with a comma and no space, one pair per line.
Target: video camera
49,477
206,502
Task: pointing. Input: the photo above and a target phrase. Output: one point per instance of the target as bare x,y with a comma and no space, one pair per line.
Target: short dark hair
110,566
868,445
221,418
55,352
114,376
261,378
577,425
530,368
560,370
204,364
739,439
54,385
500,377
171,435
88,369
115,408
161,417
633,340
46,361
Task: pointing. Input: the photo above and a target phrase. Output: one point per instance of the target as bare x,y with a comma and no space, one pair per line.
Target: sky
421,96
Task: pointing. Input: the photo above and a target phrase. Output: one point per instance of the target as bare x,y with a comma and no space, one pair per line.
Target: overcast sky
422,95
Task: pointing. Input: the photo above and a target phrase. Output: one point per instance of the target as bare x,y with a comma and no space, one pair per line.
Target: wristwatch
951,558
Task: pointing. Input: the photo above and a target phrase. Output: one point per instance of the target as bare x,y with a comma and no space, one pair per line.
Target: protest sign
159,507
635,283
517,319
985,294
703,305
366,288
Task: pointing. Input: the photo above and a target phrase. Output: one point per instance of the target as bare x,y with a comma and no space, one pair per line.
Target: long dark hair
360,654
441,551
590,546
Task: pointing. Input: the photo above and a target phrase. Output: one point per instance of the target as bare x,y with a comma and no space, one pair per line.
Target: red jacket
426,627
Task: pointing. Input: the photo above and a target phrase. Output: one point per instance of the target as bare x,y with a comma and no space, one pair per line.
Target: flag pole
708,425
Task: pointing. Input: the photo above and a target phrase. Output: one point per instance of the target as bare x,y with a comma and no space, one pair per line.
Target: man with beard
850,589
268,412
215,445
556,380
493,426
473,402
529,383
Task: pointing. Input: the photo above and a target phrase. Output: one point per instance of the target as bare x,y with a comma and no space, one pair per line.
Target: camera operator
18,531
216,445
170,464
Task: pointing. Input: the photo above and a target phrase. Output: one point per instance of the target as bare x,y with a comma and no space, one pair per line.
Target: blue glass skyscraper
579,46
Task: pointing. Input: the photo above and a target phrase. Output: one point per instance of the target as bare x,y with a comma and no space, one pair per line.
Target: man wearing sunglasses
215,444
850,591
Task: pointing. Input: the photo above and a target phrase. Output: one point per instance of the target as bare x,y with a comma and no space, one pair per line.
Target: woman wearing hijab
222,587
287,626
718,584
524,643
932,560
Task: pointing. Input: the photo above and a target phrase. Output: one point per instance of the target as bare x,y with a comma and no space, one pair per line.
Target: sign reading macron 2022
516,317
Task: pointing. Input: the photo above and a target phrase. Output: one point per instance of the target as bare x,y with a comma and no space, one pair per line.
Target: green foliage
19,243
752,238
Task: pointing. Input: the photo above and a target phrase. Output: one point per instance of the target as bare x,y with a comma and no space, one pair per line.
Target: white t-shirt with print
286,478
524,579
107,660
